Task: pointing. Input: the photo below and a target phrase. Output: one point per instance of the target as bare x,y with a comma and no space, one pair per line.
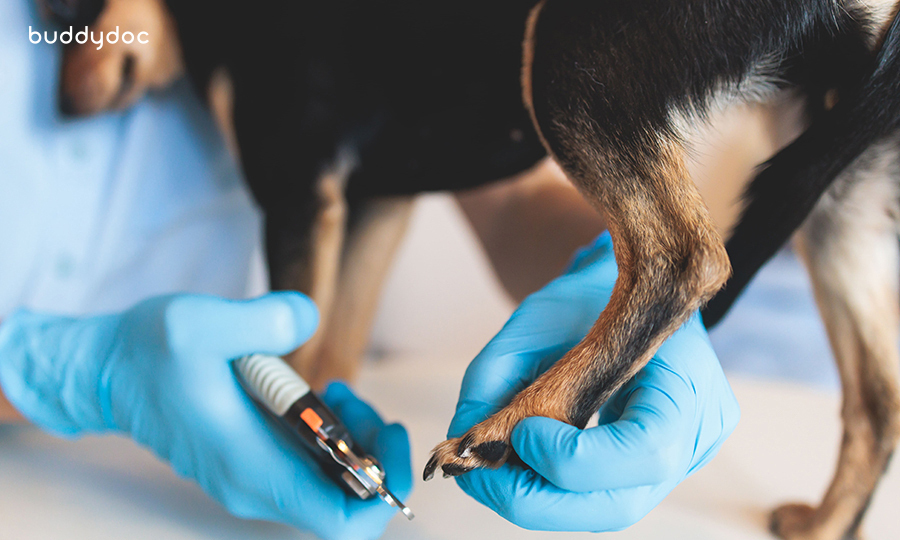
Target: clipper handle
285,394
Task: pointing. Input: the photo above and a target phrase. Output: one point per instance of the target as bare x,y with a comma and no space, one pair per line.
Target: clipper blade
389,498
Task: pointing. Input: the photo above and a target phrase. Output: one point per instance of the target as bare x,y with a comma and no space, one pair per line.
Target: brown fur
649,232
666,245
528,59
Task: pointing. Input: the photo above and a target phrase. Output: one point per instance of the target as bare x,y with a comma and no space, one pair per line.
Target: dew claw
464,449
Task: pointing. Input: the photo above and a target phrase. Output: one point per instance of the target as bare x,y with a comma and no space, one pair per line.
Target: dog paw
796,522
483,446
791,521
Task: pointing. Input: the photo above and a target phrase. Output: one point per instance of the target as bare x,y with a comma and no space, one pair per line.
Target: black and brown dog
334,103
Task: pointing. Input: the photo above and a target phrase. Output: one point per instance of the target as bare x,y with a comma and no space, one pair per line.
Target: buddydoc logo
69,36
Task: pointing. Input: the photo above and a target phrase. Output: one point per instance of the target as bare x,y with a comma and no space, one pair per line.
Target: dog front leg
304,252
670,258
374,231
297,172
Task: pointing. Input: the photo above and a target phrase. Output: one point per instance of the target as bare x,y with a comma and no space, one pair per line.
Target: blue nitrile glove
160,373
655,432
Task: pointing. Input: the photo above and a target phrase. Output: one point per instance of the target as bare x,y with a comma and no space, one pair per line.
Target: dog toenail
452,469
428,474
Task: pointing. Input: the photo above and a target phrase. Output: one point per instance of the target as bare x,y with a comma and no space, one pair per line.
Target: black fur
652,56
427,93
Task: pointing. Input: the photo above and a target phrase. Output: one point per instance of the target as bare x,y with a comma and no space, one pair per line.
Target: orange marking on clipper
313,420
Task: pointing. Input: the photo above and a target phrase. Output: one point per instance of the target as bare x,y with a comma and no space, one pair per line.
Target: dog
336,104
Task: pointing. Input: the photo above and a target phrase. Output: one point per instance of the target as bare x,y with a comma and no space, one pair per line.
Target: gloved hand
160,373
666,423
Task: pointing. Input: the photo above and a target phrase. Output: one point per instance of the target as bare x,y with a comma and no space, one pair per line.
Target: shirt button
79,150
65,266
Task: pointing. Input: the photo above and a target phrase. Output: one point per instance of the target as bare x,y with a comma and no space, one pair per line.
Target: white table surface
107,488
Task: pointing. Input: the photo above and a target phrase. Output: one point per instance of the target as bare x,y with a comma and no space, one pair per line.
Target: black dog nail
452,469
429,469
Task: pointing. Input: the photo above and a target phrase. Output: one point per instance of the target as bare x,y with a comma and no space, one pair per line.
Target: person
105,221
86,240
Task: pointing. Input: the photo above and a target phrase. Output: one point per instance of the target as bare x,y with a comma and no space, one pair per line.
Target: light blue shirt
100,213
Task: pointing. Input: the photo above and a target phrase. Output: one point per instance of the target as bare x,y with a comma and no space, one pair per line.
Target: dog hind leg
850,246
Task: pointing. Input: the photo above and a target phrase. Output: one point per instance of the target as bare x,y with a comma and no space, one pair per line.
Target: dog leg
374,233
297,170
304,240
671,260
850,246
314,270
